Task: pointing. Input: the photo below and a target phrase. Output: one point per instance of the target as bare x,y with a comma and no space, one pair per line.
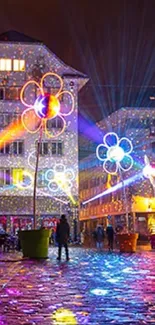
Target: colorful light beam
13,131
114,188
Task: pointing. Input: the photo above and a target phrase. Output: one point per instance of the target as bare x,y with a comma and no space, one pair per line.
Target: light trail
114,188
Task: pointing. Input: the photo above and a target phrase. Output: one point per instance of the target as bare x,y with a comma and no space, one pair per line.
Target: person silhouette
110,235
62,236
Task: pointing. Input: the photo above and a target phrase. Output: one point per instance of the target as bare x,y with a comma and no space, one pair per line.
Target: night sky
112,41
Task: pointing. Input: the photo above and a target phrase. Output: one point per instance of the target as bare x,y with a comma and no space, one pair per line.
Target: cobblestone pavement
93,288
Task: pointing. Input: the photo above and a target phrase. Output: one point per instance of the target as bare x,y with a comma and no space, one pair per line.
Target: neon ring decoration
46,106
28,184
59,178
115,153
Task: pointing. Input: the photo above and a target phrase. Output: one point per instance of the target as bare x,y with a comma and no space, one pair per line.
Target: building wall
138,126
14,199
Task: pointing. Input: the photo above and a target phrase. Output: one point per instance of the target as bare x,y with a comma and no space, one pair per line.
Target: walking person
99,237
62,236
110,235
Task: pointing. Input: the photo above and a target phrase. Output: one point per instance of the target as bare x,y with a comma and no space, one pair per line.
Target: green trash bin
35,243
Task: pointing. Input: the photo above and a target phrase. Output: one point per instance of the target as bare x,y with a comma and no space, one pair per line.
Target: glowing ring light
114,153
45,107
48,173
59,177
27,174
31,155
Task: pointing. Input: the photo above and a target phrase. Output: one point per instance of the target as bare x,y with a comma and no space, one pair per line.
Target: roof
14,36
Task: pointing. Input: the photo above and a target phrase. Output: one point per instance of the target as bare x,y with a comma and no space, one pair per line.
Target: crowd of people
8,241
61,238
99,236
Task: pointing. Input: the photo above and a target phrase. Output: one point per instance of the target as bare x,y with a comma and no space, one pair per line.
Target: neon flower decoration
60,178
45,107
149,171
115,153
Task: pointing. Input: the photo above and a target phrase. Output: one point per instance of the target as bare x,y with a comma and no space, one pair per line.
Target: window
53,91
7,119
5,149
18,148
1,93
60,148
55,123
42,181
5,177
18,65
84,185
93,182
54,149
17,176
5,65
153,147
15,148
44,148
2,119
57,148
12,93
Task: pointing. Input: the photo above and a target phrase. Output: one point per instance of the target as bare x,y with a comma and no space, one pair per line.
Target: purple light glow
89,130
13,292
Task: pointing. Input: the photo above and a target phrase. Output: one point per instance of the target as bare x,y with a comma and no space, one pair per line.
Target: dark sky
112,41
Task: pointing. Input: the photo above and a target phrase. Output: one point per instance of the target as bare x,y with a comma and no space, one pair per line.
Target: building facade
20,62
138,125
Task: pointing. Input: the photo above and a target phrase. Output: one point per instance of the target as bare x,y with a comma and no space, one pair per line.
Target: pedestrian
62,236
99,237
82,237
110,235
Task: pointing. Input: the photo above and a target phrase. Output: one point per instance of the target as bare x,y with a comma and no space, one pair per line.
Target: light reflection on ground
93,288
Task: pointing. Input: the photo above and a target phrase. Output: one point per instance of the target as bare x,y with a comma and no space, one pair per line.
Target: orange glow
17,128
54,107
11,132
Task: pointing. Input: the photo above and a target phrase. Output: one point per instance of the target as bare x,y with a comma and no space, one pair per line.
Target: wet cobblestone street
93,288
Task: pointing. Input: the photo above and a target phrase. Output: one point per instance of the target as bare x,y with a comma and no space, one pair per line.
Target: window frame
5,176
19,64
4,61
17,142
57,142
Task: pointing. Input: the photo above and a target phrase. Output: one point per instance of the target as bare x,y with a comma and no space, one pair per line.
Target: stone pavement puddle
92,289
